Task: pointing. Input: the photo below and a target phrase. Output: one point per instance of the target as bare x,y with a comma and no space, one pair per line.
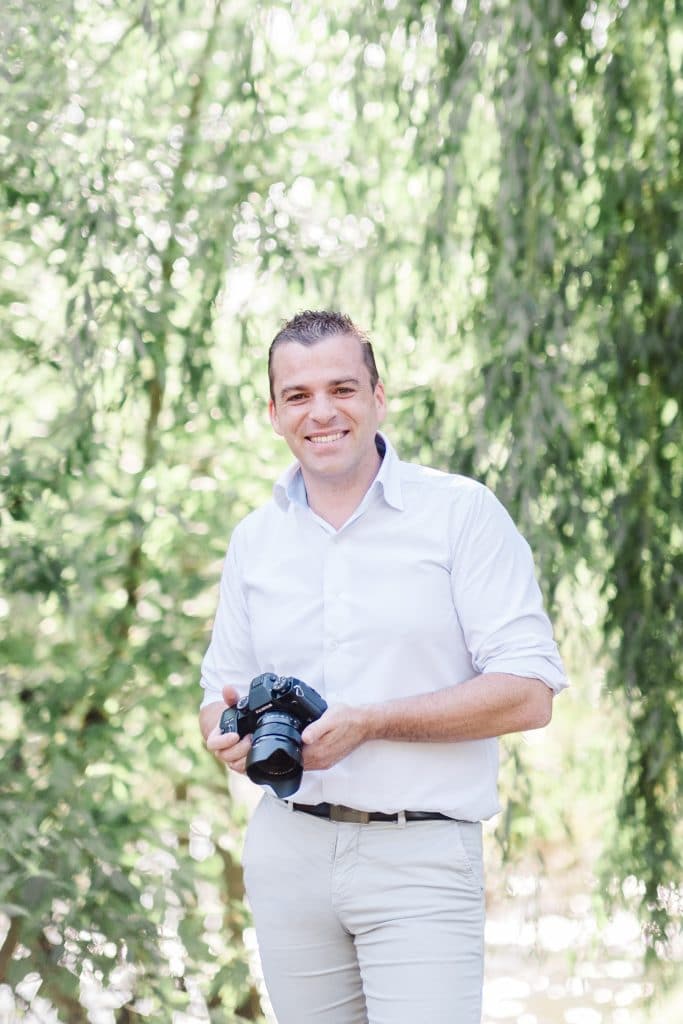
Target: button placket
334,619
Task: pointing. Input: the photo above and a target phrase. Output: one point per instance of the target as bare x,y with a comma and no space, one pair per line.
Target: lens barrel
275,756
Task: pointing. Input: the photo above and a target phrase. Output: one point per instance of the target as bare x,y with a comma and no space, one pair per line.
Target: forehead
333,358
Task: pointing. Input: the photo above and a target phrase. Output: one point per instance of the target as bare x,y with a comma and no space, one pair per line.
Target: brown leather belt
337,812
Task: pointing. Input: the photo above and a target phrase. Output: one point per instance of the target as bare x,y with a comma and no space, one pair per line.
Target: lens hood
275,756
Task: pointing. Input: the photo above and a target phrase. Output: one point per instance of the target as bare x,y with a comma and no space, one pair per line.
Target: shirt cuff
532,668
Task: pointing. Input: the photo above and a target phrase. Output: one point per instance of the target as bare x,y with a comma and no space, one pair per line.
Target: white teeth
326,438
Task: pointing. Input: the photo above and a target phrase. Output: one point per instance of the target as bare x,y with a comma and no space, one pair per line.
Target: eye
298,396
343,390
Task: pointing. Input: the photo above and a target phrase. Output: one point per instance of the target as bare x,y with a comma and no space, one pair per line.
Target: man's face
326,409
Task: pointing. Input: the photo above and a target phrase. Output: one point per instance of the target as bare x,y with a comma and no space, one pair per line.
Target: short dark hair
312,326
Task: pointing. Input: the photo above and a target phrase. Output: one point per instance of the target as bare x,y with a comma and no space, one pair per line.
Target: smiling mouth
327,438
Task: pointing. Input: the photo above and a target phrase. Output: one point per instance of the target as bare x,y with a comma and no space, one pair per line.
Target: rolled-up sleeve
229,660
497,598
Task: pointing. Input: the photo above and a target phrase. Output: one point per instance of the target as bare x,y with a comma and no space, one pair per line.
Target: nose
322,408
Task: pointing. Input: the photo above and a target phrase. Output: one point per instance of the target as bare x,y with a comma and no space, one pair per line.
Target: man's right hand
227,747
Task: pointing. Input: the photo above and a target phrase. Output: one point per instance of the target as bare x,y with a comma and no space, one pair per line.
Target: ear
380,401
274,418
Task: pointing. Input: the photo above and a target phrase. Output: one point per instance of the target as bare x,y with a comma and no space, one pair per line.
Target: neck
336,500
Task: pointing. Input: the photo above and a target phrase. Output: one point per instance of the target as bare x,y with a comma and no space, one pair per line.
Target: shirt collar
290,487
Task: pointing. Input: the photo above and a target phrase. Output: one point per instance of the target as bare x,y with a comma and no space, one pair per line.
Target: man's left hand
336,733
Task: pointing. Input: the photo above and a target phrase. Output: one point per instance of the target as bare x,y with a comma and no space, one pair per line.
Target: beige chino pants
367,924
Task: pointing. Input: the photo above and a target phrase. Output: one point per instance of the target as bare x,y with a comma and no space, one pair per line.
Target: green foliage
494,190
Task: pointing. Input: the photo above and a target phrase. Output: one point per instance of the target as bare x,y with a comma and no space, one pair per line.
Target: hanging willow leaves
494,191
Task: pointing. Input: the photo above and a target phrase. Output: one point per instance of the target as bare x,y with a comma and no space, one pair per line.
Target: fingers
310,760
311,734
316,730
315,759
332,737
229,748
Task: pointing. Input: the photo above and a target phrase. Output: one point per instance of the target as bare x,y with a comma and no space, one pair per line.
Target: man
407,599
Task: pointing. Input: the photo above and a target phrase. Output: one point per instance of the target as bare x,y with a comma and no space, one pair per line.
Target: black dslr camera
276,711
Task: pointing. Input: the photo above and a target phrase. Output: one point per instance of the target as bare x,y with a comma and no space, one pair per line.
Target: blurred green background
493,190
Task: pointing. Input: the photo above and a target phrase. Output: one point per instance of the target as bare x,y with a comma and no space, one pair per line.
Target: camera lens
275,756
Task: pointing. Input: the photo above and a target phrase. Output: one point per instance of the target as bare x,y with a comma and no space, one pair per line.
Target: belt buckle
349,815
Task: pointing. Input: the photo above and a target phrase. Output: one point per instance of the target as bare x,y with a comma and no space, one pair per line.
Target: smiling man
407,598
327,403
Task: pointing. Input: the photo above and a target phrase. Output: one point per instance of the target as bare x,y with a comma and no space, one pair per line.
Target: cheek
288,424
282,420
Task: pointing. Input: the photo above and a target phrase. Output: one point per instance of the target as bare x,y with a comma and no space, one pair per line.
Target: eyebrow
331,384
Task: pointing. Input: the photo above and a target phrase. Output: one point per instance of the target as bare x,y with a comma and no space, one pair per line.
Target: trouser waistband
338,812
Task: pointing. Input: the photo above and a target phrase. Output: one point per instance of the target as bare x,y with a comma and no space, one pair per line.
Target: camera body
276,711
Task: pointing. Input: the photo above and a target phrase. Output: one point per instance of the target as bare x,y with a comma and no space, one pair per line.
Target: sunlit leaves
493,190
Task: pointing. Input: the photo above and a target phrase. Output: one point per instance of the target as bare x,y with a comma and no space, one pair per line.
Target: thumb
230,696
313,731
